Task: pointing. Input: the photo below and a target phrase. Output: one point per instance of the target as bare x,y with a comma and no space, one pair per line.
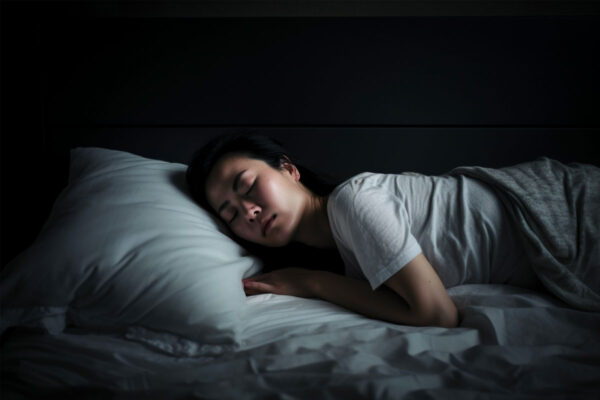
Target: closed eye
247,193
251,187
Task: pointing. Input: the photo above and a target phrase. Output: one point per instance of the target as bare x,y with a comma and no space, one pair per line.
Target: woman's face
259,203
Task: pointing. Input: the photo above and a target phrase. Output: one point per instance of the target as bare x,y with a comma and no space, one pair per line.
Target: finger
258,286
252,292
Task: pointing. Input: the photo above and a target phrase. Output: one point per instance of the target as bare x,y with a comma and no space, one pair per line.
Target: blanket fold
556,207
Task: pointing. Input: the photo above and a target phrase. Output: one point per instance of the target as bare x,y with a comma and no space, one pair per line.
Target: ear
291,169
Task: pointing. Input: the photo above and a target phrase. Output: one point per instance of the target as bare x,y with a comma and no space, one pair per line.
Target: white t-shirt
380,222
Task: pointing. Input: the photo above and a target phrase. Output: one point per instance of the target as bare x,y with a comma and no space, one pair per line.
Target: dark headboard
347,91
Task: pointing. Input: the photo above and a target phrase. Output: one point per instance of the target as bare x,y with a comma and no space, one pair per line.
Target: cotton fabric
126,246
382,221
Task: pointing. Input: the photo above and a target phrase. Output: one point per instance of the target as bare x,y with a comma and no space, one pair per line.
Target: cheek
240,229
273,192
246,231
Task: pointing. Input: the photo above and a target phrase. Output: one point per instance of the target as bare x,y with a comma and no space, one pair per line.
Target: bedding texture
512,343
124,246
557,210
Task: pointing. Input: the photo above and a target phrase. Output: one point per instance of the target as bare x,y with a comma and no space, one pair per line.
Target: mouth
267,225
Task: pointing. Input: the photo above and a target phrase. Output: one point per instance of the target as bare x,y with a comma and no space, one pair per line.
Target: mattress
511,343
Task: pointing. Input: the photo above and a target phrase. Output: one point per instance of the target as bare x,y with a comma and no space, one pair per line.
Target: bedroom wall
349,89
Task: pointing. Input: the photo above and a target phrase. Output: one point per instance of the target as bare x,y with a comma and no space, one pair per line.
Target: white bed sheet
511,343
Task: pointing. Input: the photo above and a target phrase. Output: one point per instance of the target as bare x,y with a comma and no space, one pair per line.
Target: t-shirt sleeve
374,224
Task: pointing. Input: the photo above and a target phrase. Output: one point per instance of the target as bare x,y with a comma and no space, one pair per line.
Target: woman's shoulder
362,189
372,181
355,184
348,202
357,179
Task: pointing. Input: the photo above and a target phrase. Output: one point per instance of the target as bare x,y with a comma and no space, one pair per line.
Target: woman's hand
289,281
412,296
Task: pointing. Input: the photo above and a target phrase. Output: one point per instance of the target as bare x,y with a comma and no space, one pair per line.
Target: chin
276,241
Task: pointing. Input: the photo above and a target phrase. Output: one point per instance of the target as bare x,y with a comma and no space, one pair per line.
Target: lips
266,225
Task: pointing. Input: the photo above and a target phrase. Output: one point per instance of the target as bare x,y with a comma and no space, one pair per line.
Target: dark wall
368,71
347,94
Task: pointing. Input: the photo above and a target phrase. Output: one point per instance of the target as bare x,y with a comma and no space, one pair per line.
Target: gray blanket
557,209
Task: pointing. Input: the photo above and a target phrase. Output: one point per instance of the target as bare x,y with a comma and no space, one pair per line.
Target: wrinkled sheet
556,208
512,343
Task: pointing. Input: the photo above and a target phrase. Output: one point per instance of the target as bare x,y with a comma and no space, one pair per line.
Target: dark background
348,87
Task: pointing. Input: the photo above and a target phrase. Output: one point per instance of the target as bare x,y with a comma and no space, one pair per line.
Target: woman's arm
413,296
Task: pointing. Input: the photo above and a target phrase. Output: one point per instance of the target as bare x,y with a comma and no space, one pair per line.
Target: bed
123,288
130,289
510,344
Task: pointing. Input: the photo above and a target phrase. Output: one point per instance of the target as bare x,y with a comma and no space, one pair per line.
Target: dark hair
272,152
255,146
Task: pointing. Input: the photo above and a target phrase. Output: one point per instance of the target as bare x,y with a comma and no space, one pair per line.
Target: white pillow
125,245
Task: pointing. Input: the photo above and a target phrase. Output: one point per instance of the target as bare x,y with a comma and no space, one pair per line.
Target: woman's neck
314,229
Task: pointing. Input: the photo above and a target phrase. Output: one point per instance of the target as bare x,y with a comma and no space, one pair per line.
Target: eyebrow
236,181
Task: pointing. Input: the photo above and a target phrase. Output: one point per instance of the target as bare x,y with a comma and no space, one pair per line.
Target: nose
252,210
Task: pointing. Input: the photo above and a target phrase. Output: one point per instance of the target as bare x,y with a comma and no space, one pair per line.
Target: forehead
220,179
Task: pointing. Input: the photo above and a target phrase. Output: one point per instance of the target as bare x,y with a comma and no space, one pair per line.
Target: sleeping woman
405,238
